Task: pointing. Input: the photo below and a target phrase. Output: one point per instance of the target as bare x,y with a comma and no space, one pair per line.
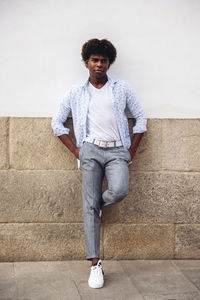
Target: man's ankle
95,261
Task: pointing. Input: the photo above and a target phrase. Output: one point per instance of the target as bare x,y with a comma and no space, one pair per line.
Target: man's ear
86,63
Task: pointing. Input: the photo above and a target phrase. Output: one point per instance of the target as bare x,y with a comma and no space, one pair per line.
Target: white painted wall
158,43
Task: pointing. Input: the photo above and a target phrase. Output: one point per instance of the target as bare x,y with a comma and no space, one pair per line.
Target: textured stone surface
186,264
193,139
22,242
33,145
117,284
4,163
158,277
187,241
8,286
133,241
193,275
124,280
179,296
164,197
149,153
40,196
172,144
44,280
181,144
46,188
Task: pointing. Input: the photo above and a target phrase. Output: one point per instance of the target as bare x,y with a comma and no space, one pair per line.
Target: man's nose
99,63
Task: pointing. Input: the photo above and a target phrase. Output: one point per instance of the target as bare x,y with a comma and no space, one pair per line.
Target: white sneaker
96,279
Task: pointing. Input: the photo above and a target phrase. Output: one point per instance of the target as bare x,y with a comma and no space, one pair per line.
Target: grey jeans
95,163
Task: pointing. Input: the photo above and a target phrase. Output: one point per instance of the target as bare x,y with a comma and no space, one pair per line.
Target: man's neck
98,82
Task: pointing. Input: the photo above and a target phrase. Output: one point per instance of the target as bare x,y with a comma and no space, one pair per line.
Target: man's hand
69,144
132,153
134,144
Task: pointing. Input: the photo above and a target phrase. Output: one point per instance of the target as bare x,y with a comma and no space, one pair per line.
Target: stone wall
40,195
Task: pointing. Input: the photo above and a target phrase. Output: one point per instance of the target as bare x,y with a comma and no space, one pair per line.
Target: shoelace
98,269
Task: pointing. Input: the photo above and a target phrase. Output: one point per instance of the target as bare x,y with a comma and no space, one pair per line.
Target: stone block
181,144
4,127
173,296
138,241
184,264
149,153
33,146
158,277
165,197
187,241
40,196
30,242
45,280
193,275
8,286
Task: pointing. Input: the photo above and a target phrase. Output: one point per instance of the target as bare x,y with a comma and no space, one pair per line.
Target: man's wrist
132,150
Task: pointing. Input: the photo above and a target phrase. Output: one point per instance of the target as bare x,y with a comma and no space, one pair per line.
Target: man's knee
117,194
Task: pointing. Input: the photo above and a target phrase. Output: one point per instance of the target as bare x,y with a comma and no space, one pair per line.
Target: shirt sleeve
136,111
58,120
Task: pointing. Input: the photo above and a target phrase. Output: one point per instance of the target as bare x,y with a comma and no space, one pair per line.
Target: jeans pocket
81,151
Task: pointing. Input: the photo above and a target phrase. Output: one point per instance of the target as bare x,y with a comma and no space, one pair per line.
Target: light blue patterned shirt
77,101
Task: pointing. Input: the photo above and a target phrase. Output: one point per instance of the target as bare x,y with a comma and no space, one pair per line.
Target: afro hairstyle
99,47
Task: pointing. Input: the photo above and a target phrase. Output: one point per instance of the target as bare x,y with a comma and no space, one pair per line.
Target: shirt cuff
140,129
59,132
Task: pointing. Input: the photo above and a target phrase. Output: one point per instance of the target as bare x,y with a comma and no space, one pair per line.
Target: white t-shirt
102,124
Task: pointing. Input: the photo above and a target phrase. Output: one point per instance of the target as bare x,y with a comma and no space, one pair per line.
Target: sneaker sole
96,286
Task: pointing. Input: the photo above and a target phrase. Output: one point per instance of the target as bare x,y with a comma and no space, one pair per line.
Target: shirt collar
111,81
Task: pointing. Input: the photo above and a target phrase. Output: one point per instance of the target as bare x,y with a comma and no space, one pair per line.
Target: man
103,142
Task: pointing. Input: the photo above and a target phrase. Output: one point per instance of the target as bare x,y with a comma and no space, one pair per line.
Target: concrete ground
124,280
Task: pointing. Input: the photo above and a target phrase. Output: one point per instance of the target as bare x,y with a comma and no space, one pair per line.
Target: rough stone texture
33,146
22,242
4,161
40,196
149,153
41,186
55,196
181,144
187,241
193,144
158,197
169,144
133,241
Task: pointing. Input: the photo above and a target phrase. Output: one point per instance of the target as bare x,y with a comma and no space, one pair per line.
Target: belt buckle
103,144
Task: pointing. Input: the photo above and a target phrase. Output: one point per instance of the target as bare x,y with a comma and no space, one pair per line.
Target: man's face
97,65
